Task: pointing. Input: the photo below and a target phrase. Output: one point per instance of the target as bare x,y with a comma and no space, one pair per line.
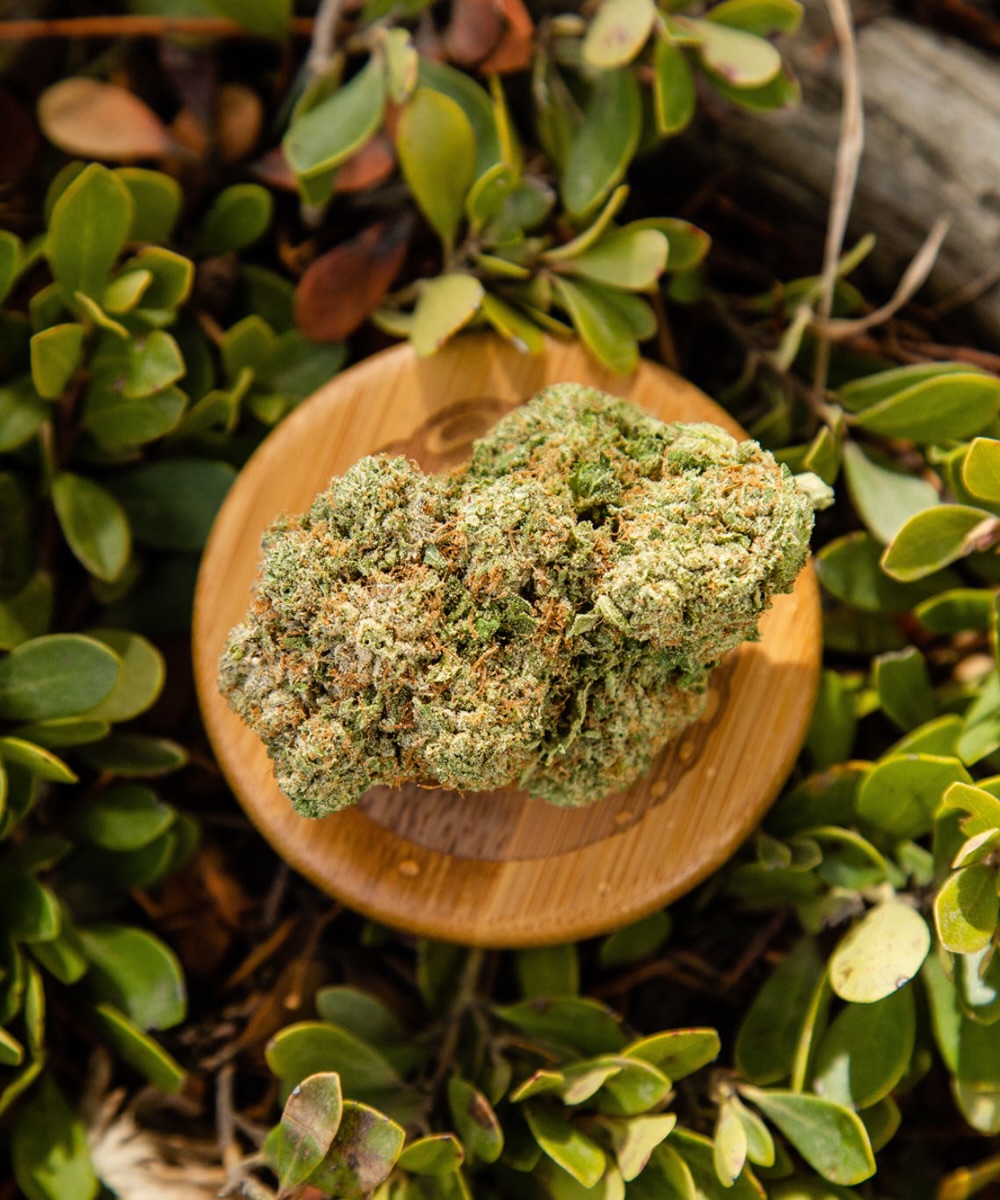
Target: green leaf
362,1155
119,423
474,102
269,18
834,721
123,818
849,568
55,356
486,197
618,32
978,978
948,406
137,1048
635,1087
171,504
965,909
604,144
605,331
38,761
172,277
981,469
549,971
767,1040
22,413
510,323
11,1050
904,687
729,1150
11,257
866,1051
137,972
29,912
677,1052
62,955
567,1146
439,1154
306,1047
446,304
698,1159
956,610
628,258
634,942
328,134
829,1137
93,523
880,954
976,1089
936,537
153,361
309,1122
582,1026
475,1121
238,217
741,59
142,675
60,675
872,389
360,1013
901,794
437,154
761,1150
48,1148
761,17
135,755
673,88
688,244
635,1140
125,291
885,499
64,731
89,225
156,203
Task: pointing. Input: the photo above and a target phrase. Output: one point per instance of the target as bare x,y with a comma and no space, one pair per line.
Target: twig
913,279
464,997
137,27
845,177
324,37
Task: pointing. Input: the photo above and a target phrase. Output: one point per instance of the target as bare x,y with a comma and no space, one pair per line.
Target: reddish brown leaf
474,30
370,166
102,121
347,283
190,134
272,168
514,53
239,117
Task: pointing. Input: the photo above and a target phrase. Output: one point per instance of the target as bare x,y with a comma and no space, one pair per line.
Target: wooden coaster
499,869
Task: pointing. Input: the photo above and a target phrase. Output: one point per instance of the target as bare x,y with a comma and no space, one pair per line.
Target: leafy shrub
147,343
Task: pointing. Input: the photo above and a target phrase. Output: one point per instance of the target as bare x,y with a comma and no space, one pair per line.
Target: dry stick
137,26
845,178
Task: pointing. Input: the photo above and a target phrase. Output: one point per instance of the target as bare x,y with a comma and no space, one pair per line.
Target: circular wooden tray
499,869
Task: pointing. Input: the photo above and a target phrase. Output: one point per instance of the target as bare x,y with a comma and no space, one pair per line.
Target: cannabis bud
545,617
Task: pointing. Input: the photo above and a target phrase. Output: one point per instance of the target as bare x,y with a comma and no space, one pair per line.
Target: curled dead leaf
343,286
474,30
370,166
516,47
102,121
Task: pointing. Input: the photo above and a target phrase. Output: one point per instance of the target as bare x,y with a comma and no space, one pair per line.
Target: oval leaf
322,138
60,675
866,1051
880,954
739,58
362,1155
136,972
446,304
947,406
475,1120
965,909
309,1122
884,498
138,1049
567,1146
633,259
87,230
829,1137
605,142
93,523
98,120
437,153
938,536
618,32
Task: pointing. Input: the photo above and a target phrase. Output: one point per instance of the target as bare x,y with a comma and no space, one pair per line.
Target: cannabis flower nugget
545,617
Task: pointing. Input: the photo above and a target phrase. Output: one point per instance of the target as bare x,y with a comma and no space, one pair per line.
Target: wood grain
497,868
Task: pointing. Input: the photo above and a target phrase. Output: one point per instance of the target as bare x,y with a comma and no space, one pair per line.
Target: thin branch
324,38
137,27
845,178
913,279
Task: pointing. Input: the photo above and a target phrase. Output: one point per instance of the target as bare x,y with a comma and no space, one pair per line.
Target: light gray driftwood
932,147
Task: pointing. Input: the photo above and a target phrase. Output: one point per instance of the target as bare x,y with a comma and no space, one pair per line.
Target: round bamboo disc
499,869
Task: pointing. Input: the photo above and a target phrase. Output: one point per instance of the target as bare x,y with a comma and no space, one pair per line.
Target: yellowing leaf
740,58
880,954
965,909
618,32
446,304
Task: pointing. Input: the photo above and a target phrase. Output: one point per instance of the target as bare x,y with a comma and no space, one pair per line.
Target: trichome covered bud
544,617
